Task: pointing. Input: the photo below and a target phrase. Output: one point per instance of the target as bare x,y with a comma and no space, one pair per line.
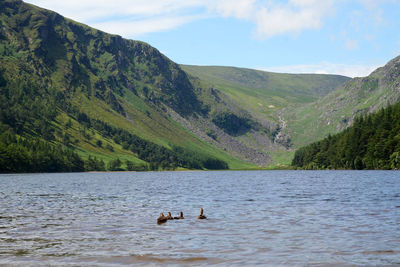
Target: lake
270,218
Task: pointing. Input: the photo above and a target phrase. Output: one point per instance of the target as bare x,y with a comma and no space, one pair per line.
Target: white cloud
129,18
133,18
292,17
137,28
241,9
89,10
325,68
271,17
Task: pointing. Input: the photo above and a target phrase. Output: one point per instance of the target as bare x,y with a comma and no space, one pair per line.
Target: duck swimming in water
169,216
201,216
161,219
180,216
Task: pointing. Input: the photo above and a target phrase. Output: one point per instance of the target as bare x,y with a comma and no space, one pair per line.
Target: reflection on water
272,218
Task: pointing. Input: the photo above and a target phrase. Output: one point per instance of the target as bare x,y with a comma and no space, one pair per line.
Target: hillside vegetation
266,96
304,108
96,101
263,93
338,109
111,100
372,142
97,95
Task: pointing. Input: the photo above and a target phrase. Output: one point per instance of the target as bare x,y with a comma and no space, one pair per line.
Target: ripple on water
275,217
149,260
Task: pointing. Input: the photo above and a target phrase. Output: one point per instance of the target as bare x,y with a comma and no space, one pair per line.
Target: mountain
368,110
266,96
118,103
306,108
101,96
372,142
74,98
338,109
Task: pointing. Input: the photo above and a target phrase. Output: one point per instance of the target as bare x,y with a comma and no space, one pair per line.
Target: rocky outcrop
255,152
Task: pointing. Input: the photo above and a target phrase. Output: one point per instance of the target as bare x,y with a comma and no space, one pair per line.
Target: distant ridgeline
372,142
70,97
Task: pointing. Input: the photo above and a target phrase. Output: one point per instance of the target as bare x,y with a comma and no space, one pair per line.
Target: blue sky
298,36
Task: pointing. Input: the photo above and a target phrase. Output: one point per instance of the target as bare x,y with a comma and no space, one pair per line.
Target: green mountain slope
72,85
337,110
93,100
305,107
266,96
263,93
97,94
372,142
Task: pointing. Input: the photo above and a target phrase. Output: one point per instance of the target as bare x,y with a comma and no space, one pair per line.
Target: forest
21,155
371,143
31,139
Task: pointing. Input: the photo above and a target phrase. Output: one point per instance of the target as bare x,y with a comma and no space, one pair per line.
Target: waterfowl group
163,219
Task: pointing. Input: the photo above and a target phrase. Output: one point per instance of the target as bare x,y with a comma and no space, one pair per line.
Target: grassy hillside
266,96
305,107
264,93
59,79
337,110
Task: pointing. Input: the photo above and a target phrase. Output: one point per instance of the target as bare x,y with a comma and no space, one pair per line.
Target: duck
180,216
161,219
201,216
169,216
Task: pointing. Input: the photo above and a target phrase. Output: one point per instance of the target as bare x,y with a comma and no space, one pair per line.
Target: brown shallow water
271,218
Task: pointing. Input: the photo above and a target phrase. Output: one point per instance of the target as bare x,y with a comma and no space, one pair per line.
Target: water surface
272,218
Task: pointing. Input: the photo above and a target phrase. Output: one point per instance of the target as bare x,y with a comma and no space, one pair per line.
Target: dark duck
180,216
169,216
162,219
201,216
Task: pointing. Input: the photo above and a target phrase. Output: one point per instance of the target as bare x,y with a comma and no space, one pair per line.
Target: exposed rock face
256,152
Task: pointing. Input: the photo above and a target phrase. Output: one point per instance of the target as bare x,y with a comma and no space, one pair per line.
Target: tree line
157,156
22,155
372,142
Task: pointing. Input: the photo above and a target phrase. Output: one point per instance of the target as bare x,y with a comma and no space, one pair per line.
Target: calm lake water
271,218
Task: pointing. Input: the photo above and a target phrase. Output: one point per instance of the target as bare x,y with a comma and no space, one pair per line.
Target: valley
126,105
